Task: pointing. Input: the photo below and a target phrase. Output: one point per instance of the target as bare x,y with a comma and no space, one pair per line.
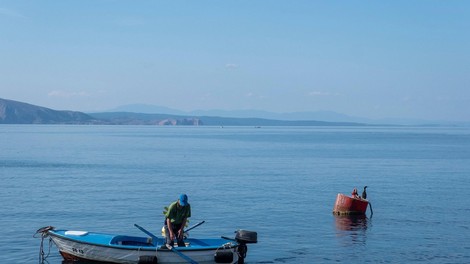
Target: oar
145,231
188,259
154,238
194,226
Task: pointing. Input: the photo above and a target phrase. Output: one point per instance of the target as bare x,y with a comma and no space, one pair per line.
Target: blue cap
183,199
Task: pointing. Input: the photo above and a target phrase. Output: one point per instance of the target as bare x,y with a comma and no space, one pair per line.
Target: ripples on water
281,182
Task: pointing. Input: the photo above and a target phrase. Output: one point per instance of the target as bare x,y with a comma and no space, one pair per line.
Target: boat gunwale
141,248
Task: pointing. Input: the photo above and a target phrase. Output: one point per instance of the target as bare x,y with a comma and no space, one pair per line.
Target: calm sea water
279,181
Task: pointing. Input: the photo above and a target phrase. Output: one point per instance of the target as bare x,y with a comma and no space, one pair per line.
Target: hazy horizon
368,59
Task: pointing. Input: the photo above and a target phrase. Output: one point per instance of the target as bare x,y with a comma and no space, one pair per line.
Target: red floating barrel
346,205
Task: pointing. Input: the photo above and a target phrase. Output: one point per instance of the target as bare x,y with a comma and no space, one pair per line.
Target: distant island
14,112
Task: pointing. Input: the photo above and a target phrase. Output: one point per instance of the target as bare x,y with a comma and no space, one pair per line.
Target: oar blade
188,259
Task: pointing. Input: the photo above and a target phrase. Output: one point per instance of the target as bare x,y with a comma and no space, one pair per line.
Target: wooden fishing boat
347,205
111,248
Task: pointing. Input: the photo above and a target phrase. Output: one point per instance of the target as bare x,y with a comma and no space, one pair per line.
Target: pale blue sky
375,59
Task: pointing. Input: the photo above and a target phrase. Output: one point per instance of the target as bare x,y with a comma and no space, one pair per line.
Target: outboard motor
244,237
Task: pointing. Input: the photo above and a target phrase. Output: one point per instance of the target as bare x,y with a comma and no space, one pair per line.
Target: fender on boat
148,260
223,257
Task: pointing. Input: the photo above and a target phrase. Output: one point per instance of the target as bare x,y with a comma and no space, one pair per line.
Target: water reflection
351,229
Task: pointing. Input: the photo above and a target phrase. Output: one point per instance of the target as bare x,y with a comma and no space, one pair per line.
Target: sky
372,59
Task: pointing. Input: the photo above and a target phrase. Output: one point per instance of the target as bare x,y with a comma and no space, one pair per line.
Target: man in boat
175,220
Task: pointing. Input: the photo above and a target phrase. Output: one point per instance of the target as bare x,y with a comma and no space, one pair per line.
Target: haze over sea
279,181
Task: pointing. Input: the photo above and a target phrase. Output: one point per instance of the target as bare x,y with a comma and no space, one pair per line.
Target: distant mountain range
324,116
327,116
14,112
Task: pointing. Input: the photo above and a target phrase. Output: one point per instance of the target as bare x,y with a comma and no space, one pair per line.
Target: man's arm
181,231
170,228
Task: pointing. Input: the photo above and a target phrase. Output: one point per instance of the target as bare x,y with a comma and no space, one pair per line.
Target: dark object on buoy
223,257
148,260
364,194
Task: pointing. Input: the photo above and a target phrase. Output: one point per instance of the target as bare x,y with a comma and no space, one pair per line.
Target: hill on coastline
13,112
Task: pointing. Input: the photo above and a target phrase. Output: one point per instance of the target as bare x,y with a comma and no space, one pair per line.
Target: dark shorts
176,228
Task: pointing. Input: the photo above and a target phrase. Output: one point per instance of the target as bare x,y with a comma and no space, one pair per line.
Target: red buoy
346,205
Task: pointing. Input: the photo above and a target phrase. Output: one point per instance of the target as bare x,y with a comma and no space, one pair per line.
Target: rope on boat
227,245
43,232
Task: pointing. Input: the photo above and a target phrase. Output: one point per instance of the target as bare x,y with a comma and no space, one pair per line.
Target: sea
280,182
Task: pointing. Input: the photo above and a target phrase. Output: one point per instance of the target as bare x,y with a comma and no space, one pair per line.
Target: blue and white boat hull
82,245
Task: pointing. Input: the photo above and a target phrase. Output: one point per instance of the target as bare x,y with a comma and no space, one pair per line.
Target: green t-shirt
177,213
